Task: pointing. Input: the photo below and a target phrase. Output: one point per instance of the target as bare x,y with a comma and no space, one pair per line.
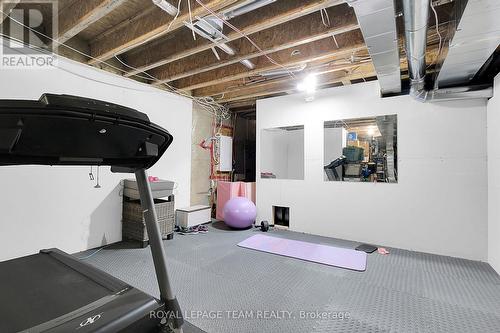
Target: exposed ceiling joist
183,45
297,32
348,43
285,86
320,68
239,88
144,28
81,14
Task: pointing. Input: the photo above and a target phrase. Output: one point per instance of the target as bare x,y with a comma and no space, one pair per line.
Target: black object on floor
65,294
366,248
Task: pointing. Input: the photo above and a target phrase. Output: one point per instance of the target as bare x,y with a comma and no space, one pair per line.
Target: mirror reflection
282,152
361,150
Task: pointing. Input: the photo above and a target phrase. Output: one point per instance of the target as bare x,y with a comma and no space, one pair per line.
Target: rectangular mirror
282,152
361,150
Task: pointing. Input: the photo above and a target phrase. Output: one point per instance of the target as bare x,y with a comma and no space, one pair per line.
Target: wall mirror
282,152
361,149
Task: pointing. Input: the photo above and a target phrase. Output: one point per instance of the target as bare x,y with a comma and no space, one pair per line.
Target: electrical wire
191,19
437,32
324,17
94,253
175,18
208,104
220,17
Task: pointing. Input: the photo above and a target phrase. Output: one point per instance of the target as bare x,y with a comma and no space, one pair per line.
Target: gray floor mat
403,292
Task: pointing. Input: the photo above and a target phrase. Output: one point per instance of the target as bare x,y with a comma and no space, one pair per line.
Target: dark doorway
244,147
281,216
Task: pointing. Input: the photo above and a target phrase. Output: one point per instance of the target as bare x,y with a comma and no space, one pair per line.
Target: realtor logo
28,28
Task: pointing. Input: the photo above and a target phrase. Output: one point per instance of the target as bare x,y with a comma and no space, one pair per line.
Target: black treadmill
52,291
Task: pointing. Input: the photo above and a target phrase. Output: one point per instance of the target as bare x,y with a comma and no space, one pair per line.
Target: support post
159,258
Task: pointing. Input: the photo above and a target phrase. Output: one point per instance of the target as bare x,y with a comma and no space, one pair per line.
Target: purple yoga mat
322,254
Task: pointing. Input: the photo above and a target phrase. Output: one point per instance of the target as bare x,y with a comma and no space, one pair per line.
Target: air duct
245,7
416,16
166,6
378,25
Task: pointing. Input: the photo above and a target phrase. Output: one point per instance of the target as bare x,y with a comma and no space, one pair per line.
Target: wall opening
281,216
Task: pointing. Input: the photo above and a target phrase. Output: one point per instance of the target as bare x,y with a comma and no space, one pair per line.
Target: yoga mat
322,254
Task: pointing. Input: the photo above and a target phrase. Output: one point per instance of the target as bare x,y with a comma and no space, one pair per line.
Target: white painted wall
440,202
283,153
43,207
494,177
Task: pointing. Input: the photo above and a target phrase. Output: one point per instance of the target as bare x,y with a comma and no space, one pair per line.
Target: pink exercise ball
239,213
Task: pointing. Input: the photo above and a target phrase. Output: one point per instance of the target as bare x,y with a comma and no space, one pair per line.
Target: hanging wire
175,18
438,34
208,104
324,17
191,19
220,17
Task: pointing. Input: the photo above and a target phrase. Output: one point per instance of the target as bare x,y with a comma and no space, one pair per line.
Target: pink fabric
228,190
248,190
382,250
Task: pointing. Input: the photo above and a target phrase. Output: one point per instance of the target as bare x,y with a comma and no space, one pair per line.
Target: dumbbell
264,226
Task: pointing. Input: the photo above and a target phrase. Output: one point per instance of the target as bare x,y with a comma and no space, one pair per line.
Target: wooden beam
287,85
81,14
242,104
341,74
348,43
161,53
6,6
321,67
321,70
147,26
303,30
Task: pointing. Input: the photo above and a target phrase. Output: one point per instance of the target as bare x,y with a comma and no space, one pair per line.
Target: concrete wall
439,204
43,207
494,178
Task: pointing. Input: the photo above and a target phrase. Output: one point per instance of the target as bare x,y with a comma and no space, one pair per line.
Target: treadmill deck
52,291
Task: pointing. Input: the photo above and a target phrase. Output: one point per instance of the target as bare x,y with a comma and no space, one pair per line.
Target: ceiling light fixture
210,28
166,6
246,7
247,63
309,84
226,48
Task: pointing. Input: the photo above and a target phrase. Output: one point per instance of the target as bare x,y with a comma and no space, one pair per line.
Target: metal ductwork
378,24
416,16
476,39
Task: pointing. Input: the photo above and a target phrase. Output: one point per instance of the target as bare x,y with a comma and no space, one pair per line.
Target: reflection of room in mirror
361,149
282,152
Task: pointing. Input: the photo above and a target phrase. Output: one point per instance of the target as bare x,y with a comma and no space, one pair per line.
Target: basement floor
404,291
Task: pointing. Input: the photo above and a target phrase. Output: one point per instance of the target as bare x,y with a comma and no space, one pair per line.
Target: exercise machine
331,169
53,291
